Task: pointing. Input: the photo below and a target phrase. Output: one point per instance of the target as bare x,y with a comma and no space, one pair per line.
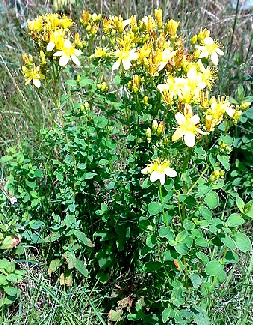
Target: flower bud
154,125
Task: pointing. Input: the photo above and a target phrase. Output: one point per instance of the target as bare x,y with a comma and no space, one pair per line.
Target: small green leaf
5,159
36,224
11,291
166,232
115,315
240,204
7,243
224,160
81,166
3,280
154,208
89,175
32,185
196,280
205,212
81,267
71,83
212,200
242,242
235,220
229,242
166,314
53,266
203,257
82,237
71,259
214,268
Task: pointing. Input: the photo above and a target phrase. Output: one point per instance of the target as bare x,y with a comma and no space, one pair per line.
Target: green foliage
9,275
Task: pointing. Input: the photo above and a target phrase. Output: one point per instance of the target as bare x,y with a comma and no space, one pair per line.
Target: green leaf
3,280
181,248
196,280
201,319
81,166
214,268
7,243
229,242
82,237
202,242
115,315
86,81
5,159
224,160
12,291
203,257
52,237
36,224
212,200
240,204
89,175
8,266
166,232
154,208
242,242
235,220
71,259
53,266
166,314
81,267
71,83
32,185
231,257
205,212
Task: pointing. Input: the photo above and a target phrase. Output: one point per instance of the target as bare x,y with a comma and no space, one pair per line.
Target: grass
24,112
44,303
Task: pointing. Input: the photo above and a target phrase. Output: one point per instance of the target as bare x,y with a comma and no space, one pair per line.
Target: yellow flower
166,56
36,24
210,48
27,58
33,74
56,40
158,169
159,17
125,57
149,23
99,53
187,126
172,27
42,58
68,52
214,114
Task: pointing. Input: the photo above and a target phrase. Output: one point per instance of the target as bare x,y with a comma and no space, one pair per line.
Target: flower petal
116,65
36,83
63,60
215,58
189,139
126,63
170,172
180,118
177,135
50,46
75,59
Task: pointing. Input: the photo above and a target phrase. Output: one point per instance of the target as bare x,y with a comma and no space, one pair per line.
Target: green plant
140,106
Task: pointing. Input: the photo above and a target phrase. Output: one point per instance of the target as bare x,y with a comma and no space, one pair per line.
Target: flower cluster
150,49
51,34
